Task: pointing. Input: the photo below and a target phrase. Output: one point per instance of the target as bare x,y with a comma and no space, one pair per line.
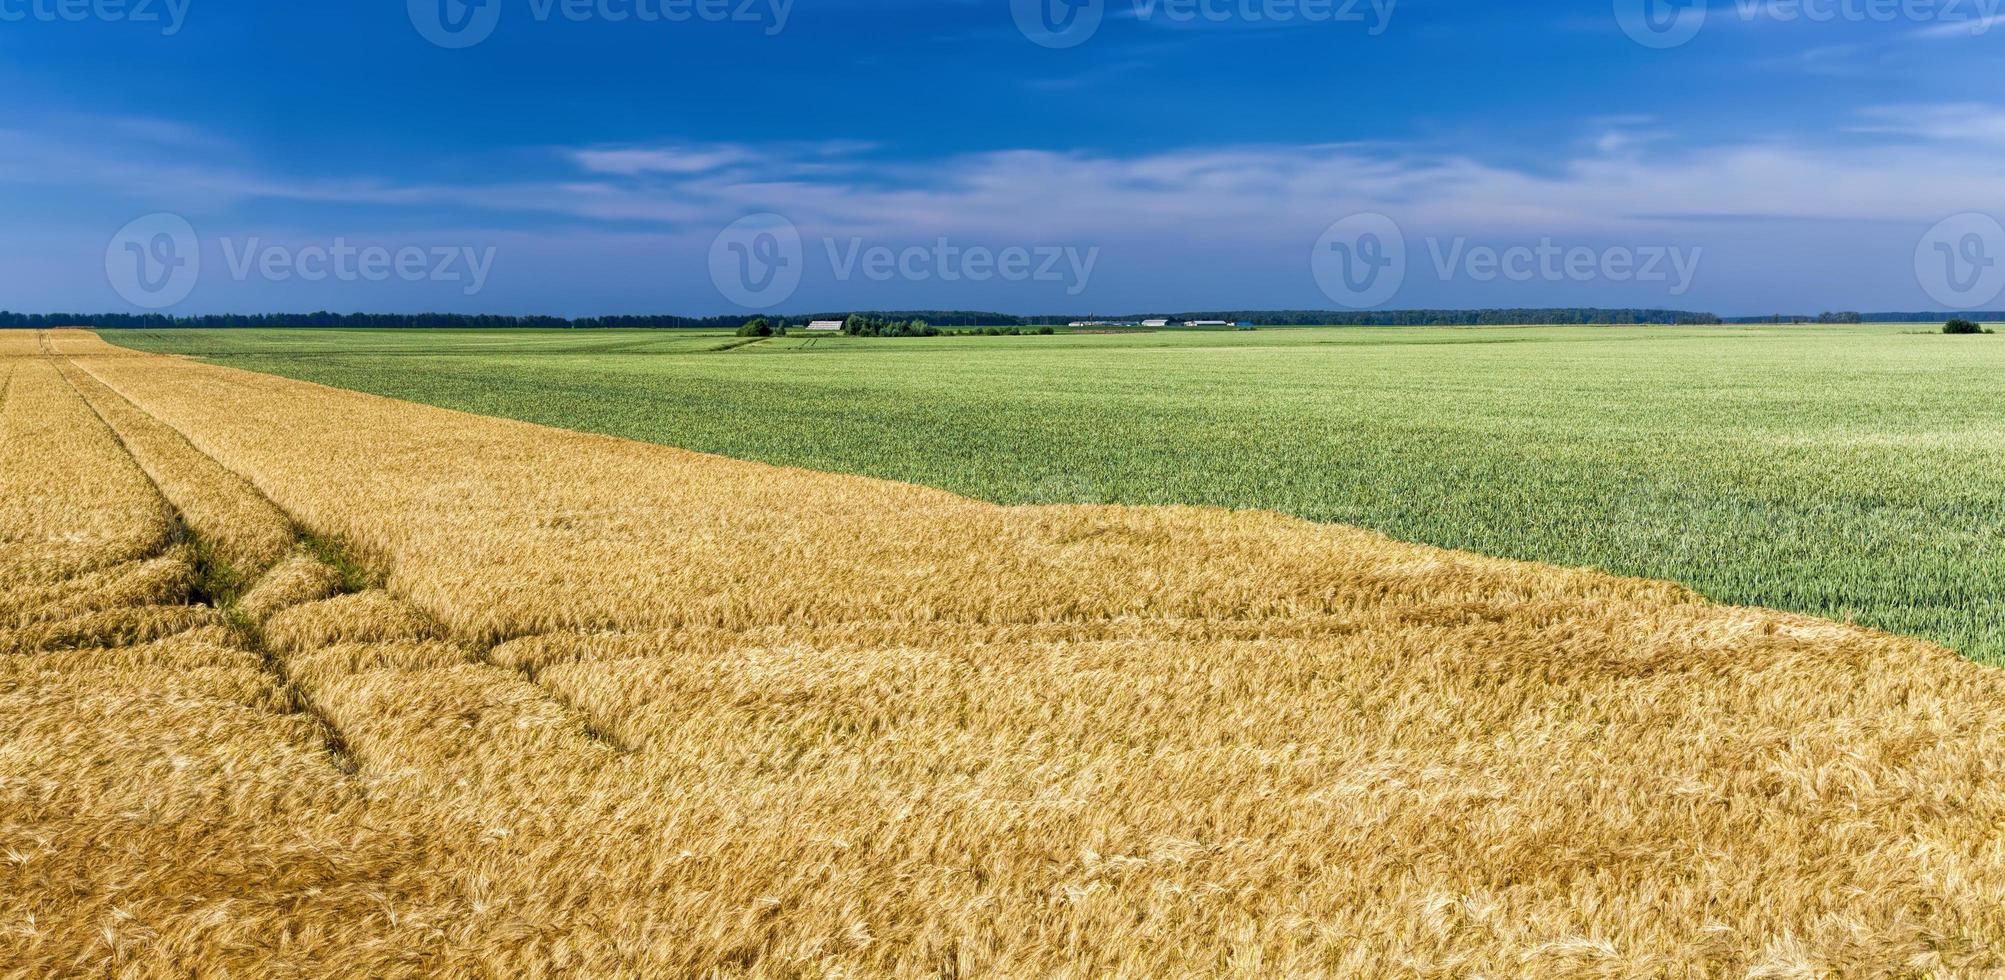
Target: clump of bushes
863,326
1007,331
762,327
859,325
1962,326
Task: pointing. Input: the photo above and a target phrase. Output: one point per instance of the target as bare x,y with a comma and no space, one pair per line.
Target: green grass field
1852,472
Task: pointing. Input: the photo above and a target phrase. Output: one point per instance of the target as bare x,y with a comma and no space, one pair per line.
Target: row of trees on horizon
949,318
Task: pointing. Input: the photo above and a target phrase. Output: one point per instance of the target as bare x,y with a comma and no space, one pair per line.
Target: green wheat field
1855,472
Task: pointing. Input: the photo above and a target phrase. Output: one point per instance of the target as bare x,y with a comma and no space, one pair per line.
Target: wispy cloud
1823,59
1097,75
1623,179
1951,30
1929,161
699,161
661,160
1956,123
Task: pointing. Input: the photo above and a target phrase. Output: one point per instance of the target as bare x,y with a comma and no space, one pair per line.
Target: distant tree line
467,321
1009,331
1798,318
1982,316
858,325
432,321
1425,318
938,318
952,318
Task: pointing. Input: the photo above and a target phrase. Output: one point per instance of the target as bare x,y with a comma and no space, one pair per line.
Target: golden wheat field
298,681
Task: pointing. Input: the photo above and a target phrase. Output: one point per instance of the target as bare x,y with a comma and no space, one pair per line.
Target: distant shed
825,326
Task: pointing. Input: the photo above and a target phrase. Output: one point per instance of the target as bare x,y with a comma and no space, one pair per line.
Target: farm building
1156,323
1206,323
825,326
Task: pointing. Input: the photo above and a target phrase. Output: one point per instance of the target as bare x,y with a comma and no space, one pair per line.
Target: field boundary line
7,387
334,744
483,653
6,391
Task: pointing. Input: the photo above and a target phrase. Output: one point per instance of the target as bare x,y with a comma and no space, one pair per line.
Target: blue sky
1179,157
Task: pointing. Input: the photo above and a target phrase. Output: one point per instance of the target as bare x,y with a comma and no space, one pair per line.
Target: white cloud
1939,160
691,160
1959,123
632,162
1256,193
1823,221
